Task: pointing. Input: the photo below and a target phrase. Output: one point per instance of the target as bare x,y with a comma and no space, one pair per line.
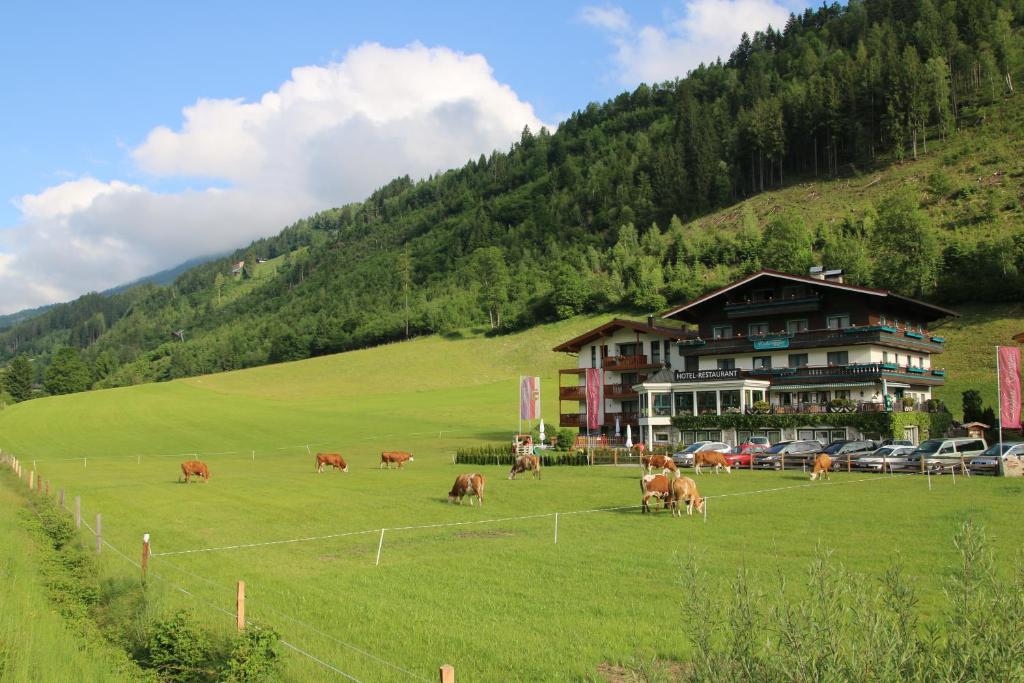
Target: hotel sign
706,375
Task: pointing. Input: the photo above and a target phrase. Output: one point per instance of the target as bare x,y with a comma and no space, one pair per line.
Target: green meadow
498,600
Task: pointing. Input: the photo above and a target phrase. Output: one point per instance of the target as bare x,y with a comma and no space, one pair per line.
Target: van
941,453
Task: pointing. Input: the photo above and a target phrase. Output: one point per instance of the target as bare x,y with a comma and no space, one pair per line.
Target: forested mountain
616,208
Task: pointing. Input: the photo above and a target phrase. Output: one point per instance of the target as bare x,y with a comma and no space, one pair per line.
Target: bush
762,407
180,650
255,656
908,401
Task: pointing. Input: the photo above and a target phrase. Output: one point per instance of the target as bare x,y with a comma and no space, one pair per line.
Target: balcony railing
619,363
578,393
620,391
783,376
580,419
809,339
852,407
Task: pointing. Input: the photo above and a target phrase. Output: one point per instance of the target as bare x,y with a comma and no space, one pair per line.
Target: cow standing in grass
333,459
711,458
664,462
399,457
468,485
684,490
195,468
654,486
822,464
524,463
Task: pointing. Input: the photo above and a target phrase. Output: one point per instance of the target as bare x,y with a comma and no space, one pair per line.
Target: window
920,361
684,403
843,393
838,357
798,360
721,331
762,362
661,437
667,353
662,405
691,363
757,328
794,326
838,322
730,399
629,350
762,295
655,353
792,292
706,403
885,356
726,363
593,356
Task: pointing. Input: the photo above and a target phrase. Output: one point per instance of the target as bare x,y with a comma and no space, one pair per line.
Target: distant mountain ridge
164,277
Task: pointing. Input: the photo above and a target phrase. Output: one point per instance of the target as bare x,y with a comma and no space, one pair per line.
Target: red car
746,452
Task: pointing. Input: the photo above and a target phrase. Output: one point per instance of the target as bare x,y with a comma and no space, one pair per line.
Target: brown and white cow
400,457
653,462
195,468
468,485
524,463
333,459
711,458
684,490
822,464
654,486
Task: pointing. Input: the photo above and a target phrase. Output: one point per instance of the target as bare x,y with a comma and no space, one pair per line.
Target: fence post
145,555
47,489
31,479
99,532
240,606
447,674
556,528
78,512
848,454
60,497
380,546
783,467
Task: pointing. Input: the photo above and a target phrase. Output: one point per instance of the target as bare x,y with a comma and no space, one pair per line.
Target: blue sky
106,177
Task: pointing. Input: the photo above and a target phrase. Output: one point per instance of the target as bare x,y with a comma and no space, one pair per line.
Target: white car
684,457
1011,449
888,457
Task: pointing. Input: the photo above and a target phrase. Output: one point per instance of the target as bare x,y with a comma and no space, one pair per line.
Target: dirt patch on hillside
658,670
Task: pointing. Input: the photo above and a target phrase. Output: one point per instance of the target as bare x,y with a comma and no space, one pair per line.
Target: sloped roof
576,343
937,311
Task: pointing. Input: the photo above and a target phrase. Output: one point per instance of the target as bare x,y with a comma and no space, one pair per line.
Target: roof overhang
610,327
936,311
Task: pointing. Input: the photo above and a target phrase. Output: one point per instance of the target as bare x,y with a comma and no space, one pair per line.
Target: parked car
772,458
844,449
889,457
896,442
755,441
1011,449
746,453
939,454
684,458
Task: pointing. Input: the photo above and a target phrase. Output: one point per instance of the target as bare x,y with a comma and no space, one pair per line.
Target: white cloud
707,30
329,135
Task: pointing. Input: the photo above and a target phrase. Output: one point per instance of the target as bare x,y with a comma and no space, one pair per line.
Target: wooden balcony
625,363
621,391
576,393
811,339
577,420
580,420
756,308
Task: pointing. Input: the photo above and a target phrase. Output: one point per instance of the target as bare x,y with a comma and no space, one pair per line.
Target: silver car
1011,449
684,458
887,457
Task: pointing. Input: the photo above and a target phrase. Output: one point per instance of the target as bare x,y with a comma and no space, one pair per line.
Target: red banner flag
529,398
1009,387
594,389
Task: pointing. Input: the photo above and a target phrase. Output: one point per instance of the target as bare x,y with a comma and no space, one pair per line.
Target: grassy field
499,600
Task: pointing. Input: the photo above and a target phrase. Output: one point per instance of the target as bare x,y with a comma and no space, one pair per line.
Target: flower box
939,373
890,366
916,371
913,335
939,340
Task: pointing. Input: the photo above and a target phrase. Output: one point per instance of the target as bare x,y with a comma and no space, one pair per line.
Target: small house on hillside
237,268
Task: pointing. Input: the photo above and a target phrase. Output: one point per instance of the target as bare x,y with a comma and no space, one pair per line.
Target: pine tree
67,373
18,378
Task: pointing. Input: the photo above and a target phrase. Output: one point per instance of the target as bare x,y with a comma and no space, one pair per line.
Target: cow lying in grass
333,459
654,486
196,468
400,457
822,464
664,462
468,485
711,458
524,463
684,490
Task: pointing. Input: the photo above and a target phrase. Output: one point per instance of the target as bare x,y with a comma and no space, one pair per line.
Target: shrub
180,650
762,407
255,656
908,401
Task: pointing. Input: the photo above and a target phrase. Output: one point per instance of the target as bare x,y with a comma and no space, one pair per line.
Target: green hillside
882,138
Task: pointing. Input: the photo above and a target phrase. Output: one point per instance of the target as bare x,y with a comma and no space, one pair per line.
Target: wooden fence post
60,497
78,512
447,673
145,556
848,454
47,490
783,467
240,606
99,532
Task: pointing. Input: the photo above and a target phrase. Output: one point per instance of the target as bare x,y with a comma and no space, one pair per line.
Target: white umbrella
629,436
542,430
616,426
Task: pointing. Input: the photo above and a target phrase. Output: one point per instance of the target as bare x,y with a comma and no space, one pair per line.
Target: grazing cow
388,457
654,486
822,464
684,490
523,463
468,485
195,468
711,458
333,459
653,462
